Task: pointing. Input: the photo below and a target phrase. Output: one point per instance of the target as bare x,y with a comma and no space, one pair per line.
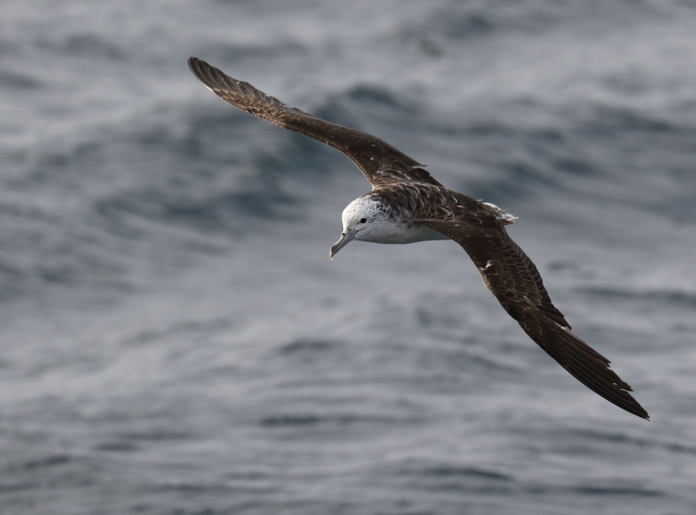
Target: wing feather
380,162
514,280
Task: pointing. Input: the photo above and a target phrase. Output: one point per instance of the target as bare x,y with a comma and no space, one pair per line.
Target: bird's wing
380,162
515,281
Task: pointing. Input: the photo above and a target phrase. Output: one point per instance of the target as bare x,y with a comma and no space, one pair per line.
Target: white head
363,219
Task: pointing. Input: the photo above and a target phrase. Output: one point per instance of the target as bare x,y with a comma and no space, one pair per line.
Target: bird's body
408,205
384,223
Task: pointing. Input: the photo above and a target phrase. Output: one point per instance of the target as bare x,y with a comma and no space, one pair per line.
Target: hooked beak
346,237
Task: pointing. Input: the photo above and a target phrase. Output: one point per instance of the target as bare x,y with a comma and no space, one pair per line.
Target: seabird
407,205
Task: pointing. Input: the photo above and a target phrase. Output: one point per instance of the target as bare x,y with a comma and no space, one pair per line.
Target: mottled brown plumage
412,194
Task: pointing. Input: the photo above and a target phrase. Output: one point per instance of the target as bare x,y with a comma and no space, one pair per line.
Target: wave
214,171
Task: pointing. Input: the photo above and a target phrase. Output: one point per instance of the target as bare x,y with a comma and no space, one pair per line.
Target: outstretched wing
515,281
380,162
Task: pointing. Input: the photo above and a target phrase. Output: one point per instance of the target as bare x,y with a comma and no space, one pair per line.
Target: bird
407,205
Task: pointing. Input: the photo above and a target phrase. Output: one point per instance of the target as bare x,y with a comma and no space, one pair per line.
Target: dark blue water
175,340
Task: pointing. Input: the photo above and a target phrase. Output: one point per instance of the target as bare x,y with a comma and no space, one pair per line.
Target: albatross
408,205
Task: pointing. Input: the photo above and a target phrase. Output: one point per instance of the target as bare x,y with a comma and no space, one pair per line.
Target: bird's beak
346,237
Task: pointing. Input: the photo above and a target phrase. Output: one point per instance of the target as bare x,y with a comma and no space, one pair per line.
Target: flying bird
407,205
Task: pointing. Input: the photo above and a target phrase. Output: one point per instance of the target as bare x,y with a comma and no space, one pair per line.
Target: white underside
401,233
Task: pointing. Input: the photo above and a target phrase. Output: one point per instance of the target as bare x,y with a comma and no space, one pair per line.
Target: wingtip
644,414
196,65
631,405
636,409
207,74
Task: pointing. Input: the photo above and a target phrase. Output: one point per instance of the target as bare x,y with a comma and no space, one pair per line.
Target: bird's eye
363,220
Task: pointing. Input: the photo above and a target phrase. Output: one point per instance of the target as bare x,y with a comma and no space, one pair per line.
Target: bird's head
362,220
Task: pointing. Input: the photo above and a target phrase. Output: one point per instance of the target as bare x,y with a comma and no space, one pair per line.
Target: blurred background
175,340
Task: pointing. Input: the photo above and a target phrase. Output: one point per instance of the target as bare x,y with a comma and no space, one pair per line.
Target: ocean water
174,339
